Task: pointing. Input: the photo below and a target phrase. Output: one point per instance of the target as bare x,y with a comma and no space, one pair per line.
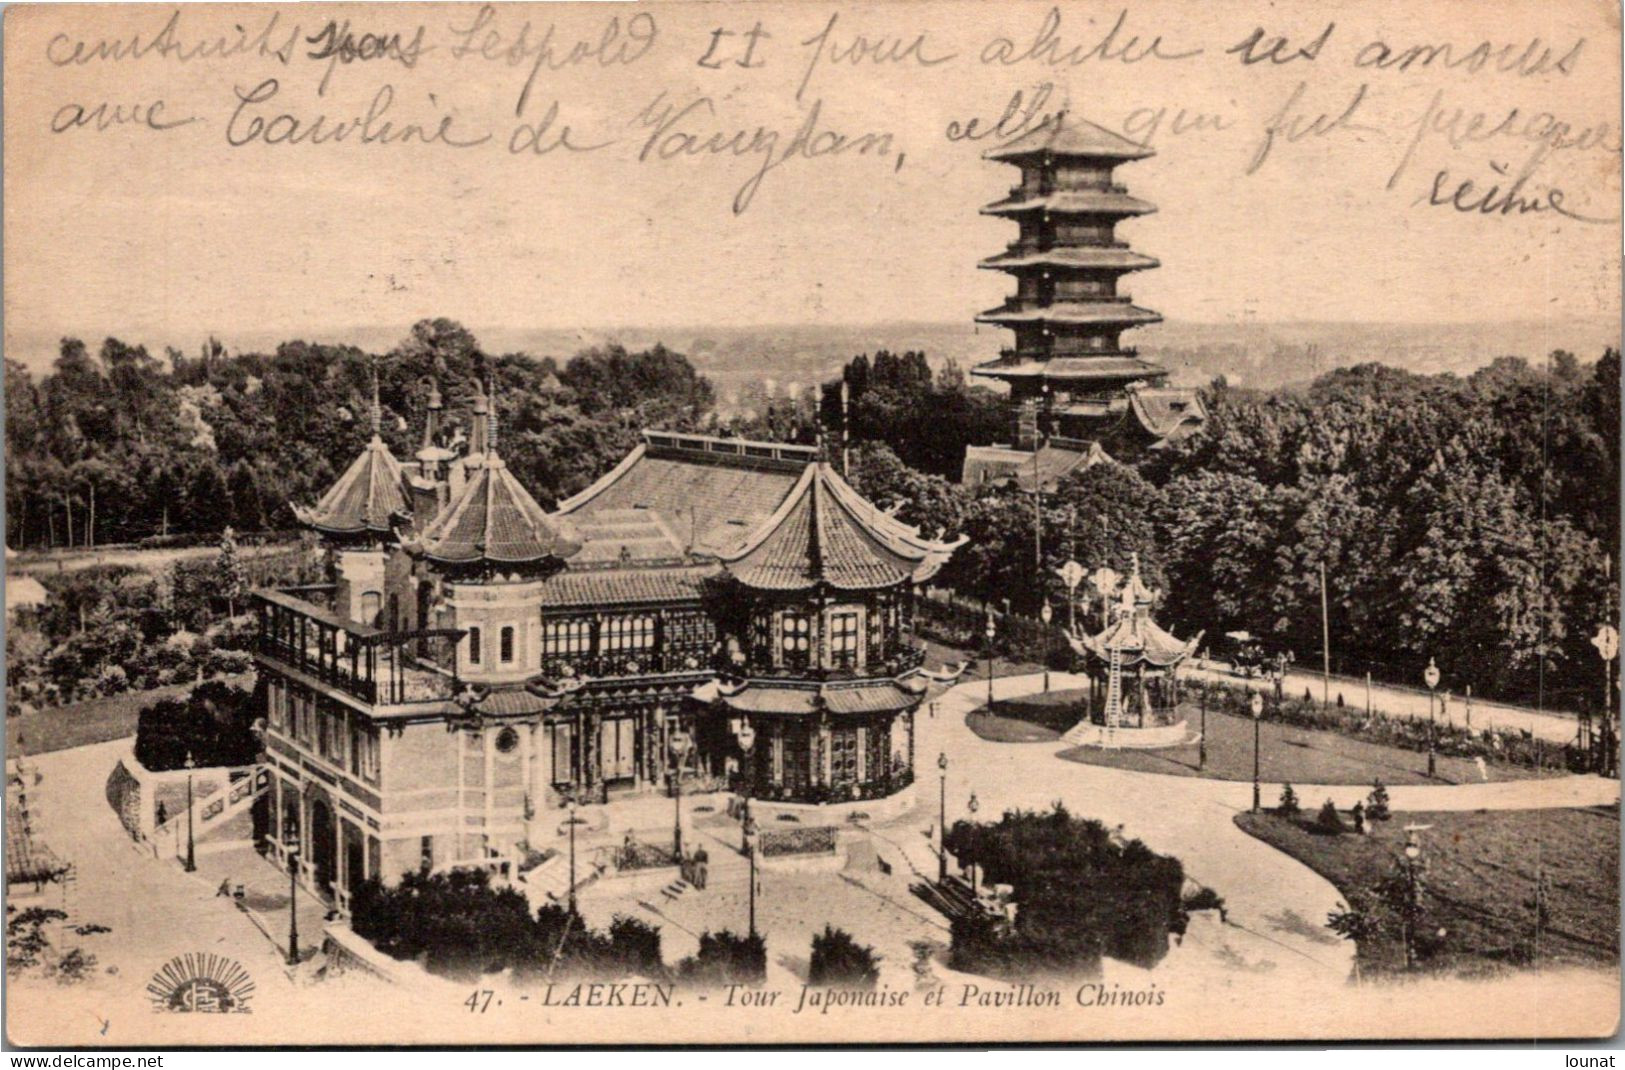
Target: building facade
1072,380
716,612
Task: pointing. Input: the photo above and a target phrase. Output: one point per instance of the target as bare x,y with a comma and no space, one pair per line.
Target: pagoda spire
431,420
491,420
377,409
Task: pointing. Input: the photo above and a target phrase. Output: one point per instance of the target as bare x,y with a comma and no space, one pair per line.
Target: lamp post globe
191,844
989,632
680,744
1430,676
942,818
1046,615
1257,705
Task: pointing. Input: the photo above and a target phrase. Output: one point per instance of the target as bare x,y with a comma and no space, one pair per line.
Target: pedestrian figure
1359,818
224,889
701,865
163,814
1483,770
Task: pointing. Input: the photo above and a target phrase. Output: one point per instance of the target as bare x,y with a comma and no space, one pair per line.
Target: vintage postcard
811,523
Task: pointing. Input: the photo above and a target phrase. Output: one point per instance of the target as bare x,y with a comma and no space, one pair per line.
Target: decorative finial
377,409
491,420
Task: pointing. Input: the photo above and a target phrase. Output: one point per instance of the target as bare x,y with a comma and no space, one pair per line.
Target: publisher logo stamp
201,983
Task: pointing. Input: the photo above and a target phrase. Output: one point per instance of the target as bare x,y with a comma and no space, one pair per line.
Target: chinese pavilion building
1072,380
480,662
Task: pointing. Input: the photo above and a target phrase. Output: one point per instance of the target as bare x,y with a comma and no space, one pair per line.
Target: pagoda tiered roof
1066,135
826,533
364,500
1073,369
495,520
806,700
1092,313
1107,202
1097,257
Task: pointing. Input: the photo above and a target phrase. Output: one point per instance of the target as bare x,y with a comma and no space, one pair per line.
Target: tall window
795,639
561,637
473,646
843,640
505,643
370,602
623,634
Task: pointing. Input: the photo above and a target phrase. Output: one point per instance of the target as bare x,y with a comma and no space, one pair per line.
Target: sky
131,229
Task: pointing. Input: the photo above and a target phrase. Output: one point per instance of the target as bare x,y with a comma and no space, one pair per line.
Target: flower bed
1514,746
775,843
636,856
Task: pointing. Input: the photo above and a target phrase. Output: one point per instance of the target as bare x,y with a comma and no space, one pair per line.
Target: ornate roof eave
1069,138
1078,313
494,488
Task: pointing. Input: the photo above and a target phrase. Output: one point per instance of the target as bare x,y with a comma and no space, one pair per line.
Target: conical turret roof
495,519
369,494
825,532
364,499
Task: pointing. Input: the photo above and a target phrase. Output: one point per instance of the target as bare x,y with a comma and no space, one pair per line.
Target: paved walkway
1266,892
1554,726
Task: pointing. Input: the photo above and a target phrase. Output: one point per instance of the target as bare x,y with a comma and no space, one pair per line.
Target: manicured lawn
1478,884
1030,719
1295,755
939,654
95,721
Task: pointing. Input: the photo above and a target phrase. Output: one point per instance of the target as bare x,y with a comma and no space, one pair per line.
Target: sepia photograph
796,523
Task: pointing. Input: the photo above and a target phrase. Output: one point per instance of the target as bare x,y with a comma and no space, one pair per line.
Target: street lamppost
191,845
1201,744
1413,889
1607,643
570,799
942,818
1431,676
989,632
290,839
1046,615
750,854
680,744
973,806
1258,715
747,742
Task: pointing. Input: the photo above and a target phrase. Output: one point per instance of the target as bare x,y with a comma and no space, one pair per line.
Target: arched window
473,646
371,601
505,645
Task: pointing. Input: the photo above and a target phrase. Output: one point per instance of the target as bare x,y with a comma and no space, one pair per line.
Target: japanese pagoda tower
1071,379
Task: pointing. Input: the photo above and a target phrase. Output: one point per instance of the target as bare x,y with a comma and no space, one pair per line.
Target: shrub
837,959
636,946
213,724
1376,804
1080,893
1328,821
1204,898
1288,806
724,959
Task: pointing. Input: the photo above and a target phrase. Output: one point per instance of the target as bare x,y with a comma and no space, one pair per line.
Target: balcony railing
903,660
375,666
621,663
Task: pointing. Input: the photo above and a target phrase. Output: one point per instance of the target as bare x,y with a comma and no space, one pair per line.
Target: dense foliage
212,726
1463,519
726,958
458,925
1079,893
119,445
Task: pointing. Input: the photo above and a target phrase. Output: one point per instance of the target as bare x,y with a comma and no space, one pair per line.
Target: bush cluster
1079,892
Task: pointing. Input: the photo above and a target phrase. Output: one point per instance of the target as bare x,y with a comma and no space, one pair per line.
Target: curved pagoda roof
1134,636
364,500
495,520
824,532
1067,136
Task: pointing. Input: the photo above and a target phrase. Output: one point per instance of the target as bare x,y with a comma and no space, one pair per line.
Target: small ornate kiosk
1134,661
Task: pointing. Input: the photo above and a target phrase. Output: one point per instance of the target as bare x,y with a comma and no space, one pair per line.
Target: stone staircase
952,898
